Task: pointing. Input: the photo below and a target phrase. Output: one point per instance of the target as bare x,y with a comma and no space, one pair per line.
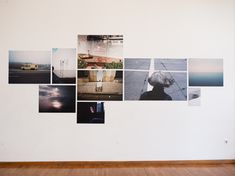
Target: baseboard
109,164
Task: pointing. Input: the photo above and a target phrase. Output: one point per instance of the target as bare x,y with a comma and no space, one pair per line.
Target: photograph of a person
159,81
100,52
194,96
155,79
100,85
29,67
63,65
57,98
90,112
205,72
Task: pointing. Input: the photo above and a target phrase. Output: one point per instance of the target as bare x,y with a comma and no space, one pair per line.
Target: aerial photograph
100,52
63,65
29,67
57,98
155,79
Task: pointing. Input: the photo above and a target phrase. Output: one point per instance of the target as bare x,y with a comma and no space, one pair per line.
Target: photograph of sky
56,98
205,72
36,57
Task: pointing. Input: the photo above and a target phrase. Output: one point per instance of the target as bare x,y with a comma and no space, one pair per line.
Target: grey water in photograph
206,79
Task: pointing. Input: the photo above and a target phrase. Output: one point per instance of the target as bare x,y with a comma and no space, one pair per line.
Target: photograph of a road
29,67
139,73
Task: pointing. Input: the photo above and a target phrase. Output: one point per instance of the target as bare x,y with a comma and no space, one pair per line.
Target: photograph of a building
63,65
99,85
100,52
29,67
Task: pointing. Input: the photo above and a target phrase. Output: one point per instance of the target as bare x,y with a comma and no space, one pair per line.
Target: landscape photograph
206,72
29,67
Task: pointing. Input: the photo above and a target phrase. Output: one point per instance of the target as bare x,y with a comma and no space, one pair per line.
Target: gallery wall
133,130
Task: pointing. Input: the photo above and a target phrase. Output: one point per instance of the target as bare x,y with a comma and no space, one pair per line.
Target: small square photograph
167,86
194,96
100,85
29,67
64,65
205,72
90,112
100,52
57,98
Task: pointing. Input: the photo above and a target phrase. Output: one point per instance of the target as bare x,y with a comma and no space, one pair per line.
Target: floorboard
181,170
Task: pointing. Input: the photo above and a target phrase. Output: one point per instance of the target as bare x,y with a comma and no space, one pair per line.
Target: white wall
133,130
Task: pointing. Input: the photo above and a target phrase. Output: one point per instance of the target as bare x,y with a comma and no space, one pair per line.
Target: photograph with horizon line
29,67
205,72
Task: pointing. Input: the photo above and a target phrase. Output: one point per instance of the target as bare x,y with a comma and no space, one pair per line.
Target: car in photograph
29,67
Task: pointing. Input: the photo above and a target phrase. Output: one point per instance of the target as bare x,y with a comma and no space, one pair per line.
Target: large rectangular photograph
29,67
100,85
205,72
90,112
57,98
63,65
100,52
155,79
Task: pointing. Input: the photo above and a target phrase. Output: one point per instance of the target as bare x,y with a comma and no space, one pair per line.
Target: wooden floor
181,170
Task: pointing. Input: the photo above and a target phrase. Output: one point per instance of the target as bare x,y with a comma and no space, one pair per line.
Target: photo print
100,52
56,98
155,79
100,85
64,65
194,96
205,72
90,112
171,64
29,67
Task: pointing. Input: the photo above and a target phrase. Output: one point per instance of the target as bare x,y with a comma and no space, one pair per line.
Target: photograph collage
81,79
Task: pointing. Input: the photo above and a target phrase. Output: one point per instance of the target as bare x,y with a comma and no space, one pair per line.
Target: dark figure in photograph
90,112
159,81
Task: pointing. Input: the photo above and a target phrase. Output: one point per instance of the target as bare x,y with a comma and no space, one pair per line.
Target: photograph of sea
205,72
